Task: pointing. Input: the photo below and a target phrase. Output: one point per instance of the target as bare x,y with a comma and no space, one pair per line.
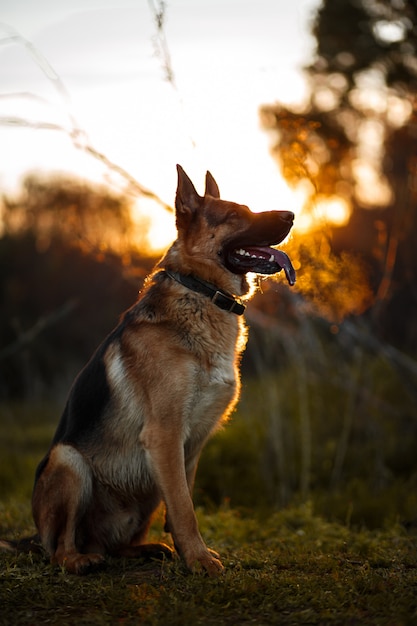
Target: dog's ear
187,200
212,188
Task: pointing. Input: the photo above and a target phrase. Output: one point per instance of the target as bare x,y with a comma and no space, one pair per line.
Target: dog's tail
25,545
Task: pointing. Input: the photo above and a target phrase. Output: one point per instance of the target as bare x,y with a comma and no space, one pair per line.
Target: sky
93,65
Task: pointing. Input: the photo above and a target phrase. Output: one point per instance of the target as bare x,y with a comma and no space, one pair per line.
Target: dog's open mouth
260,260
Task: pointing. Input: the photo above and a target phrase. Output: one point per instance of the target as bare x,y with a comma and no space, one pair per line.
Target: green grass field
291,566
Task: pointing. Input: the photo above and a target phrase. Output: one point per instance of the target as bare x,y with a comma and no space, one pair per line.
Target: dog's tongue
284,262
274,261
260,260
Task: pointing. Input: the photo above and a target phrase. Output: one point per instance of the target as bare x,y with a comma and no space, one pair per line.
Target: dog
140,412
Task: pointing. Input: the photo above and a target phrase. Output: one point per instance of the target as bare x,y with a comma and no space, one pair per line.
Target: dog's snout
287,216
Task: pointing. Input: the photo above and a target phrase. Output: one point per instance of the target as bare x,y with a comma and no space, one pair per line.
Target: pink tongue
280,258
283,261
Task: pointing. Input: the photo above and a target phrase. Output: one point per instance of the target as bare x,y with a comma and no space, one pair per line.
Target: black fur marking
89,396
41,467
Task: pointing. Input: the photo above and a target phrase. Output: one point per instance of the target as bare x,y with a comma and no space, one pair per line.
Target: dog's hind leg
136,546
61,497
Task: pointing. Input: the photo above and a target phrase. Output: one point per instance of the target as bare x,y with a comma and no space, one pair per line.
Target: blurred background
308,106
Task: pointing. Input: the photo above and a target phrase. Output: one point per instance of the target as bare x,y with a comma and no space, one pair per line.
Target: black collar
223,300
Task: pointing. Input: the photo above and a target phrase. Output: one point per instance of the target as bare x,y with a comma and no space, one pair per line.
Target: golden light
157,221
162,230
324,211
371,189
333,210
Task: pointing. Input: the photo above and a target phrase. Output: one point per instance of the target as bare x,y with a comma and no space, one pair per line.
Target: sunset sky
94,67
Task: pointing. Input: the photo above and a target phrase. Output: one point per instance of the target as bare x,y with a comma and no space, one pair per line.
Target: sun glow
159,223
333,210
86,117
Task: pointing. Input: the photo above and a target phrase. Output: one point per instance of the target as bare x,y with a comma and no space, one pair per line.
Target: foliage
336,423
354,139
25,436
364,50
67,210
62,284
35,284
353,37
325,414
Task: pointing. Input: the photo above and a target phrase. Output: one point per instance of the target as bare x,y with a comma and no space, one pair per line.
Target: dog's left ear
187,200
212,188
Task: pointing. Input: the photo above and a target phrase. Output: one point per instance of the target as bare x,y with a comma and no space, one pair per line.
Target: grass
291,566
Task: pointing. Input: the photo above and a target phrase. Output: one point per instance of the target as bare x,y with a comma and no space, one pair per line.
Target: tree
355,139
69,210
69,264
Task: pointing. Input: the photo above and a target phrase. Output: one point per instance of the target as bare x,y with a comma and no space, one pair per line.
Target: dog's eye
232,215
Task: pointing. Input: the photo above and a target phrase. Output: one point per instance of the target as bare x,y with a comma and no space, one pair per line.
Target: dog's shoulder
190,319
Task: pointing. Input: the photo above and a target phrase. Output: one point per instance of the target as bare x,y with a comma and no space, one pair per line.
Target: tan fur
141,411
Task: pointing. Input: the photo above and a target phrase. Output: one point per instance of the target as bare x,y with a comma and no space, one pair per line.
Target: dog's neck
221,299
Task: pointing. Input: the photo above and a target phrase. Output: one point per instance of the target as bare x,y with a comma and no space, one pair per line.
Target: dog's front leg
166,456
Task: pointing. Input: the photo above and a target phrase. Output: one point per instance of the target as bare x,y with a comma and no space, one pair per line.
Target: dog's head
215,235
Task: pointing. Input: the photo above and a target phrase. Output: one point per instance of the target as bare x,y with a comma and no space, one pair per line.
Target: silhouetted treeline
62,284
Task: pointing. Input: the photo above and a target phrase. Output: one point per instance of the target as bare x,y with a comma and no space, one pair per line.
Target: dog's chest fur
190,359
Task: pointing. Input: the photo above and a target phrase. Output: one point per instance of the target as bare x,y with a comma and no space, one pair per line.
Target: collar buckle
216,296
226,299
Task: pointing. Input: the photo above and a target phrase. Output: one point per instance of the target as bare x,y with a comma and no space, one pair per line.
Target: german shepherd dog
140,412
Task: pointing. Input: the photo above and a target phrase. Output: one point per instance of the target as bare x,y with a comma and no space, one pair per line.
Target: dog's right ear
212,188
187,200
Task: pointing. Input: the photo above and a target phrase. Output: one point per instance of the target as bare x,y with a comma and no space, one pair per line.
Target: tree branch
40,325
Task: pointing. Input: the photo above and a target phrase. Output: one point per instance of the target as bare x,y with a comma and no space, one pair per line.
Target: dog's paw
82,564
147,551
159,551
214,553
207,562
8,546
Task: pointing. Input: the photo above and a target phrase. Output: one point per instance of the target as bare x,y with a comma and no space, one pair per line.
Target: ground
289,567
